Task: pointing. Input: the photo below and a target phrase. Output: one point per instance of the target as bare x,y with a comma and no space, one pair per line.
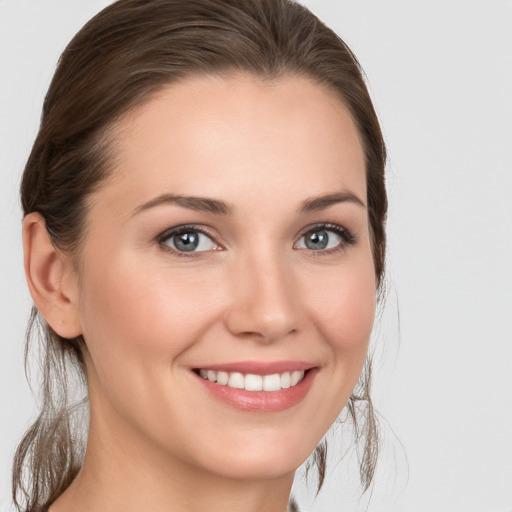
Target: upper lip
259,367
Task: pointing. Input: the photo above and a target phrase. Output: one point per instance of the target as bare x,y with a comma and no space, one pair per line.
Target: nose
264,301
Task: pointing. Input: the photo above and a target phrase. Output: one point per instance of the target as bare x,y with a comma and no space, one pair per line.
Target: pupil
317,240
186,241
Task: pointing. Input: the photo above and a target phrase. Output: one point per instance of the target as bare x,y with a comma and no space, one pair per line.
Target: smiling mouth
259,387
253,382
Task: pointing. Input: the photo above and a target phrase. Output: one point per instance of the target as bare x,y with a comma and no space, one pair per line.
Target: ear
51,279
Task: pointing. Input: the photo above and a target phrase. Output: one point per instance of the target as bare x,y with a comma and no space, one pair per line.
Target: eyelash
186,228
347,238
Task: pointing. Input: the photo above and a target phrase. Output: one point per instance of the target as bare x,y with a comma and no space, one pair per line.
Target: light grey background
440,73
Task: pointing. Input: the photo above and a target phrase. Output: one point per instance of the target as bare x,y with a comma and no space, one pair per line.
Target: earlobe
50,278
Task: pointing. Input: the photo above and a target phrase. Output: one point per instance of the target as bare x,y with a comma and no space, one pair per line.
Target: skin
256,292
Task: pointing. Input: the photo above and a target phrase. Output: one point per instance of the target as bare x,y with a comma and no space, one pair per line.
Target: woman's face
231,243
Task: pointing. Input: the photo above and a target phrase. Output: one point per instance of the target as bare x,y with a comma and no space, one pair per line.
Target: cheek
344,313
143,316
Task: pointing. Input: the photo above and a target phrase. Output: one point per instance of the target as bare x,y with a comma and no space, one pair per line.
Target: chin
273,456
263,466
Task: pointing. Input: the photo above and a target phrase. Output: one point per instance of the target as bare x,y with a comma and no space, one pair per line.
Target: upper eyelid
323,225
204,229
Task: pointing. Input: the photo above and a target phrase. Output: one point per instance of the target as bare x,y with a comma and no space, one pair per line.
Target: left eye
320,239
189,240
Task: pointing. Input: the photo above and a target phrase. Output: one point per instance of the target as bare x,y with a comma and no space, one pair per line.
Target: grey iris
186,242
316,240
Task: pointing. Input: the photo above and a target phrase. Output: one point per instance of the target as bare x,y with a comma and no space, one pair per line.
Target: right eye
188,240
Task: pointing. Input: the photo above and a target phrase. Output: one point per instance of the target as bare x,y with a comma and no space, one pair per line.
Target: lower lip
261,401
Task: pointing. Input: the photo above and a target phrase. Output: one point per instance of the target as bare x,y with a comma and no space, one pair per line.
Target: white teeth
222,378
252,382
236,380
272,382
296,376
285,380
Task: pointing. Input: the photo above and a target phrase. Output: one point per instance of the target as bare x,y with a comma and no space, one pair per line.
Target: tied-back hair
120,59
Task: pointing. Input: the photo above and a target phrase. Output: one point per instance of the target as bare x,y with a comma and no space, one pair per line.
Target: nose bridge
264,305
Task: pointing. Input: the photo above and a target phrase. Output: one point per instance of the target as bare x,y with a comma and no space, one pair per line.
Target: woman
204,211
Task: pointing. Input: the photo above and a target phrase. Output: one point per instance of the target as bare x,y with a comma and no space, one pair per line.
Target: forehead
237,136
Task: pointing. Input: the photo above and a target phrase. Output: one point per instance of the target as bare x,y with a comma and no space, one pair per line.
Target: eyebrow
316,204
200,204
218,207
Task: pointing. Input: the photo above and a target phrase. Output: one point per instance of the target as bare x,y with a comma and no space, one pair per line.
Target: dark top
292,507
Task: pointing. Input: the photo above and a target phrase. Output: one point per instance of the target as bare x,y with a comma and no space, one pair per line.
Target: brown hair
118,60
